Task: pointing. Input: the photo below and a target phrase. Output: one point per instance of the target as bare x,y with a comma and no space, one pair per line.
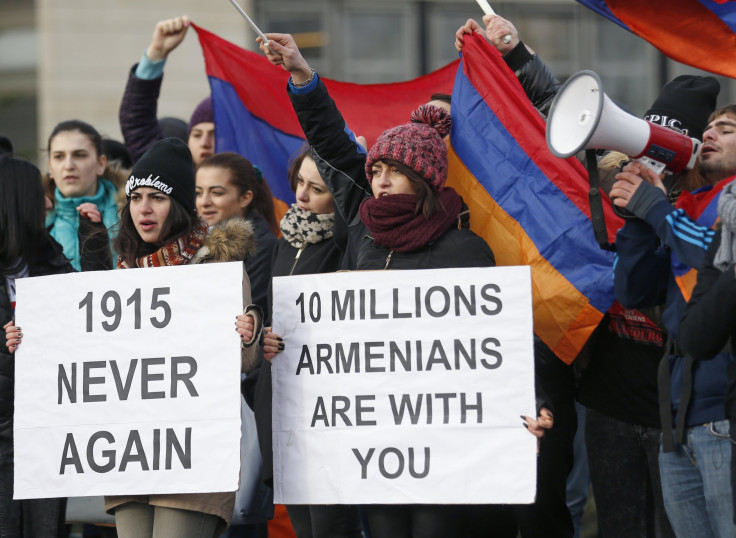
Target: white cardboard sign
404,387
127,382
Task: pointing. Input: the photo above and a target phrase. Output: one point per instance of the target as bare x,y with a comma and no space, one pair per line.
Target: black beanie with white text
166,166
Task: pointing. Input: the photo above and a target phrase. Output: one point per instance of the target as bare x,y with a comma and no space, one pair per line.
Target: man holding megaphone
619,374
658,255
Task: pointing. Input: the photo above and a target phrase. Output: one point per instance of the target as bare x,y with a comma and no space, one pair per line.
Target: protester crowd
656,379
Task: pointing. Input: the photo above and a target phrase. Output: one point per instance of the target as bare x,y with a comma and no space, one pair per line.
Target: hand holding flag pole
252,24
488,10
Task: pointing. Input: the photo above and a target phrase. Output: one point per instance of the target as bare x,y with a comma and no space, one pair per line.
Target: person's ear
102,161
246,199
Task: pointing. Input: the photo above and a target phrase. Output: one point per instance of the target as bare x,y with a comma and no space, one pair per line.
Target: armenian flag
700,33
254,116
531,207
701,206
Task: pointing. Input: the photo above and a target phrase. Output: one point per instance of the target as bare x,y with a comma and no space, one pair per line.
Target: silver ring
507,39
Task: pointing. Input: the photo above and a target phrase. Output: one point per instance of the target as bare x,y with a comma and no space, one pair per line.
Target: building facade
63,59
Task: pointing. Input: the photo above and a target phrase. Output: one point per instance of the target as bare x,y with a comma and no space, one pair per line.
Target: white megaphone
583,117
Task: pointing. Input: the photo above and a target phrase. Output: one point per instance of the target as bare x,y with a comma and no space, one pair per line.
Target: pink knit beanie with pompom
418,145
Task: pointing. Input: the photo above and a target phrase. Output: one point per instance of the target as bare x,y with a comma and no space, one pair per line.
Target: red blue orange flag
700,33
255,118
531,207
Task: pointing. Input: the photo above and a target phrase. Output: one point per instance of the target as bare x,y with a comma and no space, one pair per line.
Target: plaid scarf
178,252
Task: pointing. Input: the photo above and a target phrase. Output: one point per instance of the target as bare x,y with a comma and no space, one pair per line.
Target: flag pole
252,24
488,10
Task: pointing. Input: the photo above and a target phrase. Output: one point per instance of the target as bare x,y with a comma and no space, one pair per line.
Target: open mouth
707,150
147,225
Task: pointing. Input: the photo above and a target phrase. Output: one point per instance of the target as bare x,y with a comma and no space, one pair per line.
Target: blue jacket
651,252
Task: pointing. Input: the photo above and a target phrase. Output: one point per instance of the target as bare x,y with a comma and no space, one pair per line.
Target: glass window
381,41
551,32
443,22
308,31
24,46
18,82
627,66
379,46
18,118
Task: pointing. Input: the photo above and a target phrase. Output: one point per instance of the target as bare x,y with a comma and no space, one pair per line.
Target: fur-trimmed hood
228,241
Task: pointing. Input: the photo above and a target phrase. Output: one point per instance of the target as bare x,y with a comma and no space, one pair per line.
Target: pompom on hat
166,166
685,103
419,145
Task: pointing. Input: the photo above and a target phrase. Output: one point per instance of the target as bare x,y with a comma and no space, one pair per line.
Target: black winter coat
322,257
457,247
341,164
52,262
138,114
258,265
708,325
539,84
319,121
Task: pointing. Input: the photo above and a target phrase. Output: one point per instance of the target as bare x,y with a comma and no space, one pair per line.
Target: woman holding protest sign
312,242
404,218
26,249
159,226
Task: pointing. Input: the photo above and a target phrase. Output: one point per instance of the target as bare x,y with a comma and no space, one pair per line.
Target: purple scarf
394,224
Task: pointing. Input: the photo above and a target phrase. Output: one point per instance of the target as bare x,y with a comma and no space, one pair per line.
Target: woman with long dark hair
228,186
406,218
26,249
312,241
159,226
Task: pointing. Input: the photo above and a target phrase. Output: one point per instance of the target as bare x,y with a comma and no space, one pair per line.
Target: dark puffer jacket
708,326
322,257
539,84
457,247
52,262
258,264
138,114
